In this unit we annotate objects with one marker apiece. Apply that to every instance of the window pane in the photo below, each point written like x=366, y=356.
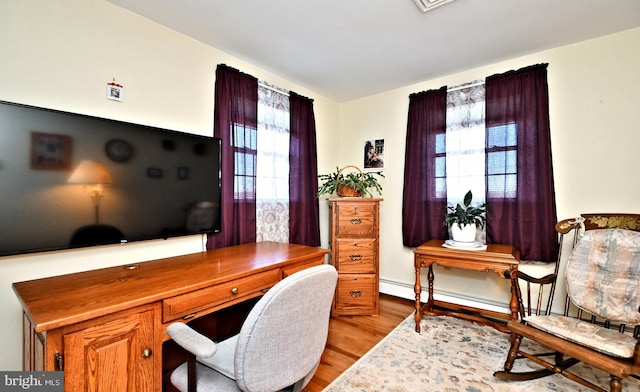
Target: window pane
x=465, y=164
x=441, y=190
x=273, y=145
x=502, y=136
x=502, y=186
x=273, y=165
x=465, y=144
x=272, y=208
x=502, y=162
x=440, y=143
x=440, y=167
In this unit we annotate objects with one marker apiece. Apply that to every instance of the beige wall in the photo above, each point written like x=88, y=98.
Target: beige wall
x=61, y=55
x=595, y=138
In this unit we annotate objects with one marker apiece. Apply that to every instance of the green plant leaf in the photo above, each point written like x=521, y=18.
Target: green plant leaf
x=466, y=215
x=364, y=183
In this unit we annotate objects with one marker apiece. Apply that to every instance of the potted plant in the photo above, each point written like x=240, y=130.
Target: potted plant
x=352, y=184
x=465, y=220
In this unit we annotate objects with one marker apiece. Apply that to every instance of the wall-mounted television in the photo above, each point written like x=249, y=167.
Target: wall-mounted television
x=163, y=183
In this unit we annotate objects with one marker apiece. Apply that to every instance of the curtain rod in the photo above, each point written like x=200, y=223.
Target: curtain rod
x=468, y=85
x=272, y=88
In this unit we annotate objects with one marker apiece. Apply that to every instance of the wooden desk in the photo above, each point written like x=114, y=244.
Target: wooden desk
x=105, y=328
x=501, y=259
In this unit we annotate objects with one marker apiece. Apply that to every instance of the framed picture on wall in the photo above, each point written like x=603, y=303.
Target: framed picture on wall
x=183, y=173
x=50, y=151
x=374, y=154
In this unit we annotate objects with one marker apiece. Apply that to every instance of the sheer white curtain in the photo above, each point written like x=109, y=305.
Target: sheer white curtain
x=465, y=144
x=272, y=189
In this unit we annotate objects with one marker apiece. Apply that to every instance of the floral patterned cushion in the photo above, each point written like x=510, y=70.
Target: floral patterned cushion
x=606, y=341
x=603, y=274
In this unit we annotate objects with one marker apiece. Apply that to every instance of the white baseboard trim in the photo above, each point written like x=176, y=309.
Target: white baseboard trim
x=403, y=290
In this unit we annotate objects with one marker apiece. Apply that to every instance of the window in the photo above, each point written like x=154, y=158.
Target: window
x=265, y=152
x=469, y=147
x=245, y=150
x=471, y=156
x=502, y=162
x=272, y=170
x=464, y=143
x=505, y=156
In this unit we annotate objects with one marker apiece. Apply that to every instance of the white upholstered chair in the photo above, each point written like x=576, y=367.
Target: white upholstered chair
x=279, y=345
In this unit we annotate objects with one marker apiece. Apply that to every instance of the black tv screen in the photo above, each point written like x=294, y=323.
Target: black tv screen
x=160, y=183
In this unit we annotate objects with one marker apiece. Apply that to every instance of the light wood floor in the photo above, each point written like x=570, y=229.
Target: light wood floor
x=350, y=337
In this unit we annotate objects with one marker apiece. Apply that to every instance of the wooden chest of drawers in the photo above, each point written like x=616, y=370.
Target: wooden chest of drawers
x=354, y=243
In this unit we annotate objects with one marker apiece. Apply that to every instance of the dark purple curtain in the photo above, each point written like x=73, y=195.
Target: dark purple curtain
x=304, y=213
x=527, y=221
x=423, y=208
x=236, y=123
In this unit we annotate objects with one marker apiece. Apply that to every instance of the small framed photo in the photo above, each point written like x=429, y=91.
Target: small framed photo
x=50, y=151
x=374, y=154
x=154, y=172
x=115, y=91
x=183, y=173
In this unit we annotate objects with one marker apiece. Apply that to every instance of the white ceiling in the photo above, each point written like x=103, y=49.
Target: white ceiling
x=347, y=49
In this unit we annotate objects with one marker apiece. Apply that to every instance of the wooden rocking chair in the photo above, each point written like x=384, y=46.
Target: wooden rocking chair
x=601, y=320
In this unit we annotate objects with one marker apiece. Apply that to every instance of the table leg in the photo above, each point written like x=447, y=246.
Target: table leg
x=430, y=300
x=417, y=289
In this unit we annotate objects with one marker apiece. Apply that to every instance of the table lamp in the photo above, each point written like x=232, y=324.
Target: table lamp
x=93, y=175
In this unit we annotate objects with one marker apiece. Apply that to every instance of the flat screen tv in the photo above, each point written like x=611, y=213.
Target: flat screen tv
x=160, y=183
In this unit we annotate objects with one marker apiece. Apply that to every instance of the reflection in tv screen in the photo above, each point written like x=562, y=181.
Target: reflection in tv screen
x=70, y=180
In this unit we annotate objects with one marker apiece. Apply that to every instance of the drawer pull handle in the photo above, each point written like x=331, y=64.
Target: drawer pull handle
x=355, y=257
x=188, y=316
x=147, y=353
x=355, y=221
x=58, y=362
x=234, y=290
x=355, y=293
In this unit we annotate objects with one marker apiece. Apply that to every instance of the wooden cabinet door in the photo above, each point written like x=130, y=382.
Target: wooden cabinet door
x=117, y=355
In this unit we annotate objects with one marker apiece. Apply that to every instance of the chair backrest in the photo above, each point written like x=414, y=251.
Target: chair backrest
x=591, y=222
x=612, y=221
x=603, y=274
x=284, y=335
x=538, y=294
x=586, y=222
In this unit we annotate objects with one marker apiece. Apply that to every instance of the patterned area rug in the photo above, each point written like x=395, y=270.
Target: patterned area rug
x=450, y=355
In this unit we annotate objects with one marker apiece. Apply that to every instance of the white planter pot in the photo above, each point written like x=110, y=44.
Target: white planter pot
x=466, y=234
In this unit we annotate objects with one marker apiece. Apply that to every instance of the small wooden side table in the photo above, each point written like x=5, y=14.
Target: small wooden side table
x=501, y=259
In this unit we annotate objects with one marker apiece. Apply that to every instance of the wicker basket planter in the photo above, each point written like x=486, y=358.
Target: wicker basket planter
x=346, y=191
x=349, y=191
x=350, y=181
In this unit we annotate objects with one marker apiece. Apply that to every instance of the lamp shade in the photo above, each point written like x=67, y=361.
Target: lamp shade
x=90, y=172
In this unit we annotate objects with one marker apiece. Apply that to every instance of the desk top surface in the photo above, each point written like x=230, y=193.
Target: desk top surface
x=60, y=300
x=494, y=252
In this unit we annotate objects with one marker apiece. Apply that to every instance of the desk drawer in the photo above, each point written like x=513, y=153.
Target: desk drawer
x=356, y=256
x=356, y=293
x=292, y=269
x=179, y=306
